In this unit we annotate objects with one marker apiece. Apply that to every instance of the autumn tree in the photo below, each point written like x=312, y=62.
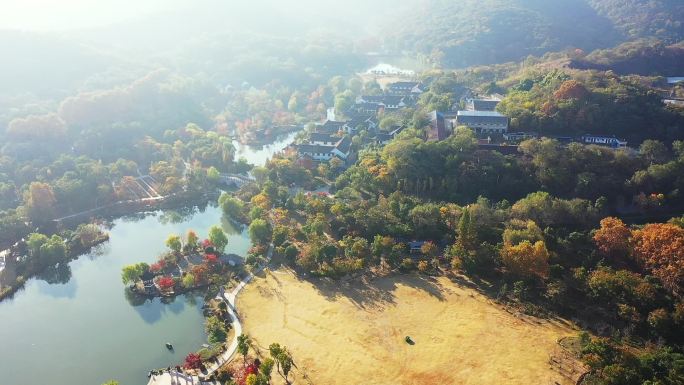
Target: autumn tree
x=40, y=202
x=660, y=247
x=193, y=361
x=612, y=238
x=173, y=242
x=526, y=259
x=571, y=89
x=132, y=273
x=423, y=266
x=429, y=249
x=191, y=240
x=188, y=281
x=166, y=283
x=87, y=234
x=518, y=230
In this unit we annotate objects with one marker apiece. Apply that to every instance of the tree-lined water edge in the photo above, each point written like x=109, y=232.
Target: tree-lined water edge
x=83, y=327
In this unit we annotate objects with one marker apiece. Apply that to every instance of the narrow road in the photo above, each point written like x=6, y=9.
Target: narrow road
x=230, y=298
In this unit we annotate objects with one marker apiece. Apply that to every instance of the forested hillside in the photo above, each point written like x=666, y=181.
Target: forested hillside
x=643, y=57
x=644, y=18
x=472, y=32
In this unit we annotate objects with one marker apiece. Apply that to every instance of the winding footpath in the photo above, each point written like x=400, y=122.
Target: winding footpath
x=174, y=378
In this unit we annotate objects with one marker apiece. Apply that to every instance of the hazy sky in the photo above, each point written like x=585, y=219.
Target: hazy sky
x=73, y=14
x=50, y=15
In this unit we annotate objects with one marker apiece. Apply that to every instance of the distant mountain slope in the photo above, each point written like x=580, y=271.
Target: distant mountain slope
x=663, y=19
x=472, y=32
x=47, y=65
x=643, y=57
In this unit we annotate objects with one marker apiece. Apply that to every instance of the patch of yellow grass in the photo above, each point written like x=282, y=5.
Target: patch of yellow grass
x=354, y=333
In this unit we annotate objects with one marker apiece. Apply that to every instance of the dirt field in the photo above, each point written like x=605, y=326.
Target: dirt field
x=354, y=333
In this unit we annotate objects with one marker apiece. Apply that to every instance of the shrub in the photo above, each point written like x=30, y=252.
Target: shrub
x=193, y=361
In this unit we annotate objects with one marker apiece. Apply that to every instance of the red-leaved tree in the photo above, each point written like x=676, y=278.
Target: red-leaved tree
x=211, y=259
x=207, y=244
x=193, y=361
x=166, y=283
x=157, y=267
x=199, y=272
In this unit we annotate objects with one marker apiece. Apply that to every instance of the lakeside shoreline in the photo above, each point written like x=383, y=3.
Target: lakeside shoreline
x=11, y=289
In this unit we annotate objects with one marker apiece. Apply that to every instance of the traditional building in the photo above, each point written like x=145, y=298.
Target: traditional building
x=368, y=108
x=483, y=104
x=608, y=141
x=361, y=122
x=382, y=138
x=438, y=127
x=322, y=153
x=388, y=102
x=330, y=127
x=519, y=136
x=483, y=122
x=323, y=139
x=404, y=88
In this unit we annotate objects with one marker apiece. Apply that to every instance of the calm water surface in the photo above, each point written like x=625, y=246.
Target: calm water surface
x=258, y=154
x=81, y=329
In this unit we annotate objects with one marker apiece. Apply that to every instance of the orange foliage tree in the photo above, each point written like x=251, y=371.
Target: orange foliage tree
x=612, y=238
x=571, y=89
x=660, y=248
x=526, y=259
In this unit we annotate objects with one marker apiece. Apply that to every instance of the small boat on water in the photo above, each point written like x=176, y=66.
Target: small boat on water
x=169, y=346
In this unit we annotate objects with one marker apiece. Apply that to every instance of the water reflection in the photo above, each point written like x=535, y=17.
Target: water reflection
x=177, y=216
x=259, y=154
x=99, y=250
x=230, y=227
x=137, y=217
x=58, y=274
x=57, y=282
x=152, y=310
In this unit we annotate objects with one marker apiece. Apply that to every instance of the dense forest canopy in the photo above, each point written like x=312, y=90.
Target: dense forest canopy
x=470, y=32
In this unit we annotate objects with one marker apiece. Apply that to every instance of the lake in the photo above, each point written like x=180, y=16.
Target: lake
x=81, y=329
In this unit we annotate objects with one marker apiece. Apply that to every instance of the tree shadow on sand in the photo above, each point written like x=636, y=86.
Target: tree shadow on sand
x=368, y=291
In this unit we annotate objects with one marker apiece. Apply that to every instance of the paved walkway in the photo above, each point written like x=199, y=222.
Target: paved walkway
x=174, y=378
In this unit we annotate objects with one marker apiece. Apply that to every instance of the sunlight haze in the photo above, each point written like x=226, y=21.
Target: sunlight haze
x=45, y=15
x=352, y=192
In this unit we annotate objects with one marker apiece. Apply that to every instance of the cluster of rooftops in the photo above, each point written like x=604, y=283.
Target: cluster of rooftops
x=480, y=115
x=331, y=139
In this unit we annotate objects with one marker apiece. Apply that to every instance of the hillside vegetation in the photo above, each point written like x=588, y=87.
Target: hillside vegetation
x=643, y=57
x=472, y=32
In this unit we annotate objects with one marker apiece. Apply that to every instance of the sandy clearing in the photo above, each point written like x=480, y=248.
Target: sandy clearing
x=354, y=334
